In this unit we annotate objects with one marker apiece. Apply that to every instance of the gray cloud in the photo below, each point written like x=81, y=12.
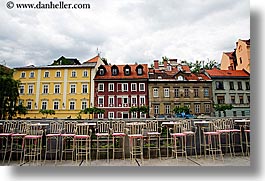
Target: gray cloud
x=124, y=31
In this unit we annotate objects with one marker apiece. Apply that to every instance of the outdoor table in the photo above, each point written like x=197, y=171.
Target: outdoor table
x=201, y=125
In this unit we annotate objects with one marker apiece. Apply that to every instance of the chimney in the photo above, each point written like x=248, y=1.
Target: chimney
x=156, y=65
x=165, y=64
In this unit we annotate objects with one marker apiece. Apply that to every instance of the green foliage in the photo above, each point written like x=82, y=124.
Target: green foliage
x=178, y=110
x=208, y=65
x=47, y=112
x=21, y=109
x=8, y=93
x=223, y=107
x=143, y=109
x=93, y=110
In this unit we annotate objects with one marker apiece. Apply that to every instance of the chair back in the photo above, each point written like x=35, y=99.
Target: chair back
x=21, y=127
x=9, y=126
x=56, y=127
x=212, y=126
x=118, y=126
x=34, y=129
x=152, y=126
x=137, y=128
x=83, y=129
x=187, y=125
x=69, y=127
x=178, y=127
x=103, y=127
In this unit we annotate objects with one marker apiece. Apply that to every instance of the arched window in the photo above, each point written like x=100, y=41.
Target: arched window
x=114, y=70
x=180, y=77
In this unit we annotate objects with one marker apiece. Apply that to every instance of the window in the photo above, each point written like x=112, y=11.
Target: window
x=179, y=68
x=127, y=71
x=125, y=100
x=196, y=92
x=233, y=100
x=231, y=84
x=29, y=105
x=101, y=101
x=31, y=75
x=111, y=101
x=84, y=89
x=155, y=92
x=142, y=100
x=167, y=109
x=142, y=115
x=133, y=88
x=197, y=108
x=101, y=87
x=72, y=88
x=110, y=115
x=247, y=86
x=72, y=105
x=58, y=74
x=46, y=74
x=241, y=99
x=114, y=71
x=169, y=68
x=44, y=105
x=219, y=85
x=180, y=78
x=248, y=99
x=220, y=99
x=30, y=89
x=124, y=87
x=243, y=113
x=187, y=105
x=207, y=108
x=21, y=89
x=234, y=113
x=141, y=87
x=73, y=73
x=206, y=92
x=134, y=101
x=140, y=71
x=85, y=74
x=45, y=89
x=55, y=105
x=84, y=105
x=100, y=116
x=239, y=84
x=176, y=92
x=134, y=114
x=166, y=92
x=186, y=92
x=156, y=110
x=111, y=87
x=23, y=74
x=57, y=89
x=101, y=72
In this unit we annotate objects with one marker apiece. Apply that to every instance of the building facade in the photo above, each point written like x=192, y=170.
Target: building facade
x=238, y=59
x=231, y=87
x=66, y=89
x=120, y=87
x=176, y=86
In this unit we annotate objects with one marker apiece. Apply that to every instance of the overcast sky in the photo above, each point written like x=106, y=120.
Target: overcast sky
x=124, y=31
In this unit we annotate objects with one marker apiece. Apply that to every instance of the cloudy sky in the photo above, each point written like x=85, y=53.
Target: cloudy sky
x=124, y=31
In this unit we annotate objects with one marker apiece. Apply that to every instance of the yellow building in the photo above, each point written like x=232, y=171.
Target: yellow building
x=67, y=89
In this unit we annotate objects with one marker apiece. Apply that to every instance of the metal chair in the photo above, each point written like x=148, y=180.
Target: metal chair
x=237, y=137
x=247, y=131
x=8, y=128
x=136, y=139
x=83, y=142
x=212, y=141
x=67, y=138
x=17, y=139
x=118, y=137
x=190, y=133
x=52, y=140
x=103, y=134
x=178, y=139
x=153, y=136
x=32, y=145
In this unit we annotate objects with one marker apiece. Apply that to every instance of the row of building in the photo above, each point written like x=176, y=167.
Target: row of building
x=67, y=86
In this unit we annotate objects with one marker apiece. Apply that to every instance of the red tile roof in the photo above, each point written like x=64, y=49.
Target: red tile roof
x=108, y=75
x=93, y=60
x=227, y=73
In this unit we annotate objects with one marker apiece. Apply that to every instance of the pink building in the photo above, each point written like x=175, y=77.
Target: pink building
x=120, y=87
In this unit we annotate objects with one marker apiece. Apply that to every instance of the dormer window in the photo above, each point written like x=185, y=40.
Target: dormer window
x=139, y=70
x=179, y=68
x=127, y=70
x=114, y=70
x=101, y=71
x=180, y=77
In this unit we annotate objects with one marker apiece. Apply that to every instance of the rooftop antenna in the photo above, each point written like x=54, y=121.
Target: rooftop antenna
x=98, y=52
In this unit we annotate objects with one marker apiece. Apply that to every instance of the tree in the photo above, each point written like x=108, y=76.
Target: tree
x=222, y=108
x=47, y=112
x=21, y=109
x=180, y=109
x=8, y=93
x=198, y=65
x=92, y=110
x=141, y=109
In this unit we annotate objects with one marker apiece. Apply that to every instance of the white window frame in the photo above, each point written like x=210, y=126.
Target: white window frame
x=99, y=86
x=83, y=104
x=207, y=108
x=58, y=74
x=72, y=87
x=132, y=103
x=142, y=115
x=46, y=74
x=71, y=103
x=140, y=100
x=44, y=105
x=73, y=73
x=167, y=109
x=57, y=87
x=142, y=84
x=176, y=92
x=111, y=87
x=101, y=97
x=134, y=115
x=135, y=87
x=30, y=89
x=23, y=75
x=111, y=103
x=156, y=109
x=58, y=105
x=45, y=89
x=31, y=74
x=29, y=105
x=100, y=116
x=166, y=92
x=125, y=85
x=155, y=92
x=84, y=87
x=85, y=73
x=110, y=115
x=197, y=108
